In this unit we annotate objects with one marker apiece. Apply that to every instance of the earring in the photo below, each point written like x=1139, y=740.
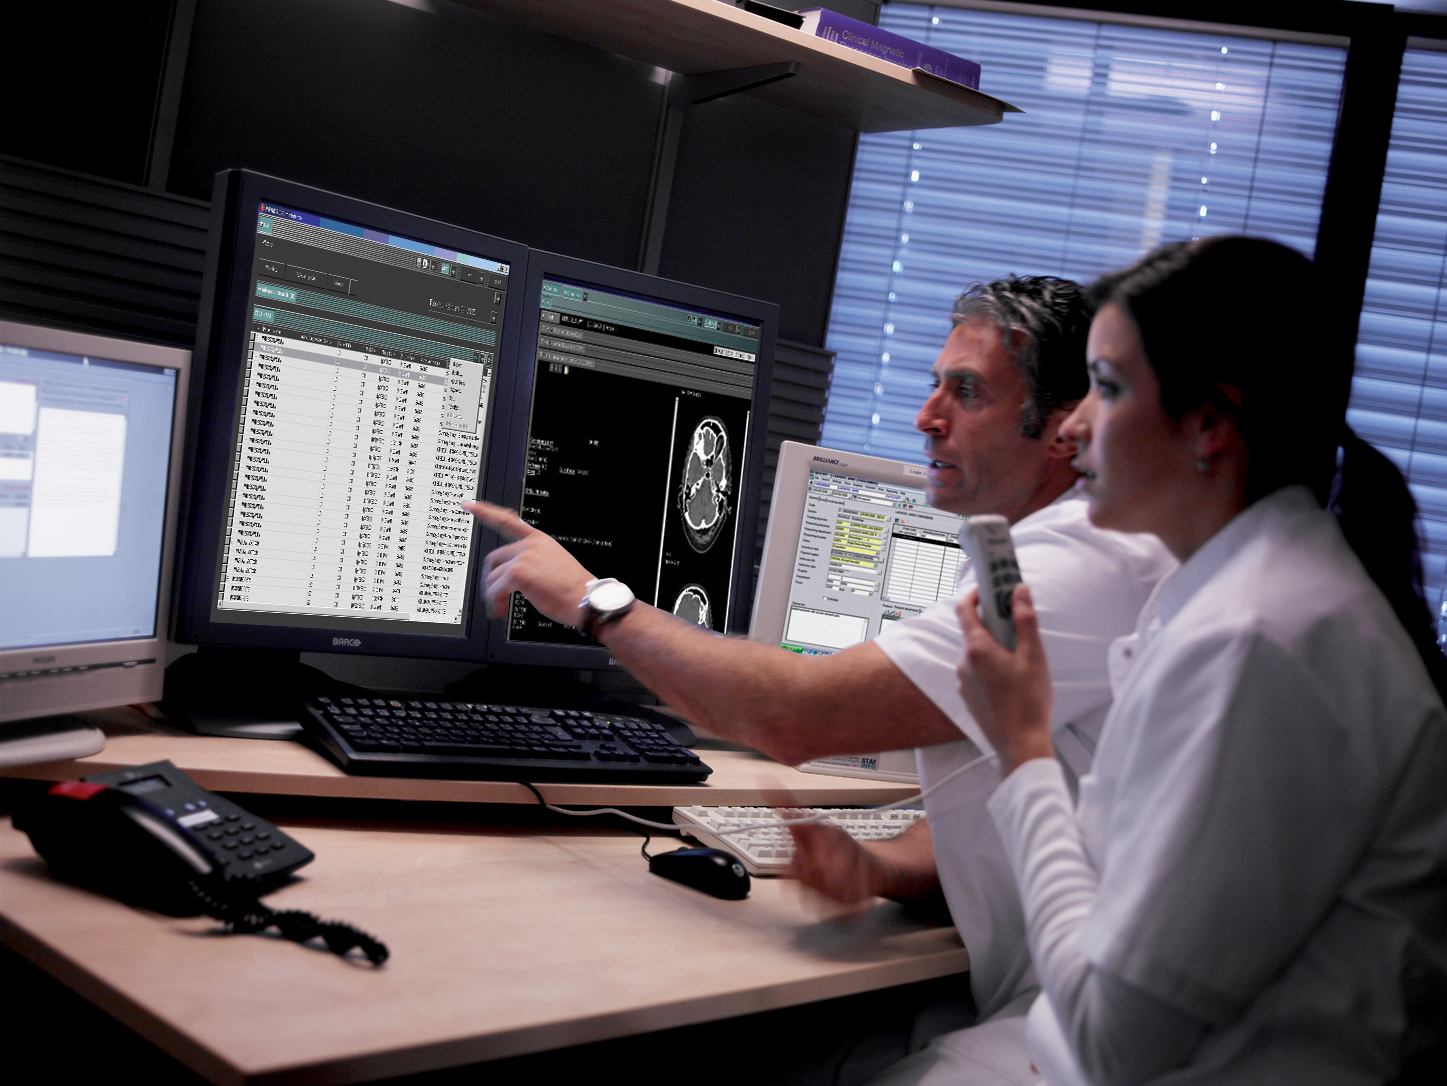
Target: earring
x=1202, y=464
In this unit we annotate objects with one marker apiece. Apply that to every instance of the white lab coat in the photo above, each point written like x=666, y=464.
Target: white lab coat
x=1088, y=585
x=1267, y=815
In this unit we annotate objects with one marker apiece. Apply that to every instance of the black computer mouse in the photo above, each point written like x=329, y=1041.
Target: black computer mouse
x=711, y=870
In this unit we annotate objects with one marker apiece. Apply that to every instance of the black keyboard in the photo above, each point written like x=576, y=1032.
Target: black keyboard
x=462, y=741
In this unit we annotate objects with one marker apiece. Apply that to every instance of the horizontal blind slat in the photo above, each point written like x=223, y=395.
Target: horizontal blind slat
x=1399, y=390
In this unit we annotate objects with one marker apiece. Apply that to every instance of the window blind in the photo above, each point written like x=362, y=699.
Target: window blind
x=1131, y=136
x=1399, y=387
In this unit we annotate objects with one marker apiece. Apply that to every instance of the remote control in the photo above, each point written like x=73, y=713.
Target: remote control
x=986, y=540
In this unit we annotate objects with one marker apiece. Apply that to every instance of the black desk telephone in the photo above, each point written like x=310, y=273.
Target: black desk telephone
x=152, y=837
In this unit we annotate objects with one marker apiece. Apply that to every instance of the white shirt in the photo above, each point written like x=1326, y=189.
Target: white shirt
x=1266, y=815
x=1088, y=586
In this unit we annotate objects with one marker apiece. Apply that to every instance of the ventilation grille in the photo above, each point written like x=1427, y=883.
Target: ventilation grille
x=802, y=375
x=93, y=255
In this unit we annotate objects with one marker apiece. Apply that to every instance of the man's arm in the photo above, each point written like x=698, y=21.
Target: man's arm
x=849, y=871
x=779, y=702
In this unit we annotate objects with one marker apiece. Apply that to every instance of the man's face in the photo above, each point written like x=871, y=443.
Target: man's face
x=979, y=460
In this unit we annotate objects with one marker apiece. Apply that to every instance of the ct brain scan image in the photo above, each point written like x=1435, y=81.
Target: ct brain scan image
x=703, y=500
x=692, y=605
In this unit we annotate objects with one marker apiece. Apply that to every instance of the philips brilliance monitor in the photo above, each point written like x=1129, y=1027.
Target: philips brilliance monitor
x=90, y=440
x=851, y=545
x=354, y=356
x=639, y=444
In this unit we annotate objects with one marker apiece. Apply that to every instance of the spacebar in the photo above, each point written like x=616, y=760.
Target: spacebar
x=465, y=751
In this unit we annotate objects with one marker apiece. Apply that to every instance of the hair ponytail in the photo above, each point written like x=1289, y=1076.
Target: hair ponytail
x=1378, y=516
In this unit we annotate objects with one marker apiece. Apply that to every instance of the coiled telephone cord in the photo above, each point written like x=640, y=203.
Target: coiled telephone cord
x=251, y=917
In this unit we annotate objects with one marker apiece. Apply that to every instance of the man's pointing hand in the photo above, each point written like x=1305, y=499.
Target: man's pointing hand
x=533, y=563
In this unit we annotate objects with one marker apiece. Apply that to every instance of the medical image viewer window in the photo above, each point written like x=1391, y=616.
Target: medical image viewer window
x=368, y=378
x=636, y=448
x=868, y=553
x=85, y=451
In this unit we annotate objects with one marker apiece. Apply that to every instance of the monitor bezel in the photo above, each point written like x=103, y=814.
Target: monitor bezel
x=542, y=265
x=219, y=340
x=147, y=652
x=786, y=521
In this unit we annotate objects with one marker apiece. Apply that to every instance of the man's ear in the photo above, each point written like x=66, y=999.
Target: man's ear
x=1057, y=445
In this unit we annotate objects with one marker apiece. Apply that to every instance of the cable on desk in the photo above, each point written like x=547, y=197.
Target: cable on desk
x=746, y=827
x=647, y=837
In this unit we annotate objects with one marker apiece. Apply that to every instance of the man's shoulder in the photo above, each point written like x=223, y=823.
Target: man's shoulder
x=1064, y=527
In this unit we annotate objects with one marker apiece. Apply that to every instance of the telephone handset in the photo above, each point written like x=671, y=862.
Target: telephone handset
x=152, y=837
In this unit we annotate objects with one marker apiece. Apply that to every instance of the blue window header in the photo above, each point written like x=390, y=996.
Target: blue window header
x=277, y=211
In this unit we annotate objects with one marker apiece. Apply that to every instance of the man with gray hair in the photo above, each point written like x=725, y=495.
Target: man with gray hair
x=1009, y=373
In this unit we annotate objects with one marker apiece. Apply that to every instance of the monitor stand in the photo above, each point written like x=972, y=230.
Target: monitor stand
x=552, y=688
x=244, y=693
x=48, y=739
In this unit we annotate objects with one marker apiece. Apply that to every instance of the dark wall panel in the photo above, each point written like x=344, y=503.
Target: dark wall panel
x=758, y=208
x=81, y=81
x=449, y=113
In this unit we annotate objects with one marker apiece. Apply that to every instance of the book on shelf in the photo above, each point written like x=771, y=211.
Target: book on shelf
x=895, y=48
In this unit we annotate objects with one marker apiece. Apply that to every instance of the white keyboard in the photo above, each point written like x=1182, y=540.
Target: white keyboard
x=767, y=849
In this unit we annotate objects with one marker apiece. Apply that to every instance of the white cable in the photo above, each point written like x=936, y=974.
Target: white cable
x=773, y=825
x=613, y=810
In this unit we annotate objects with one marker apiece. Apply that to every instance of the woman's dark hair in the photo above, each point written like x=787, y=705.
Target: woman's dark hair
x=1045, y=321
x=1244, y=313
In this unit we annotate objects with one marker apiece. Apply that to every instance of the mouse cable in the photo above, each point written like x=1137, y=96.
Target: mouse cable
x=748, y=826
x=647, y=837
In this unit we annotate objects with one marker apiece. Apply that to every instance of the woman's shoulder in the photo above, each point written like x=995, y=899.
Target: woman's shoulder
x=1297, y=591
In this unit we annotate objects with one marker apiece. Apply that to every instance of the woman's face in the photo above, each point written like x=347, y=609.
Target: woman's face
x=1133, y=455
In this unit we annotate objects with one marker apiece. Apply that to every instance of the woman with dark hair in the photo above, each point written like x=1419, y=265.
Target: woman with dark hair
x=1251, y=889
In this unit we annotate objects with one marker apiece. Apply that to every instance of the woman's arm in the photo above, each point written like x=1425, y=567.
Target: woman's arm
x=1116, y=1032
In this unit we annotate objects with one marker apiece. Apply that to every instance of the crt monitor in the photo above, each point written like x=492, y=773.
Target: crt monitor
x=91, y=431
x=638, y=442
x=851, y=545
x=355, y=356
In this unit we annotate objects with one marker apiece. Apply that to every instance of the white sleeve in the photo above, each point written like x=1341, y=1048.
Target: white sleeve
x=1116, y=1032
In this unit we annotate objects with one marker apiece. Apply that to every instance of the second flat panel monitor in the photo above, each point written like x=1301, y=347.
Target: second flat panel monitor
x=644, y=442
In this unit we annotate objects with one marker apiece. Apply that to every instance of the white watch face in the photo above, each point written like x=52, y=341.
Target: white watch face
x=609, y=596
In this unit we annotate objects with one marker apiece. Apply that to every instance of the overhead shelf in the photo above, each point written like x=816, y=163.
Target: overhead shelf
x=693, y=37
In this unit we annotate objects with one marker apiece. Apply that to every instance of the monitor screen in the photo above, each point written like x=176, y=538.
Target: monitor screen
x=867, y=553
x=365, y=387
x=637, y=447
x=85, y=457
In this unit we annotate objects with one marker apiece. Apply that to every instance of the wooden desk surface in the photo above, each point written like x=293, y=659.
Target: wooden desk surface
x=284, y=768
x=504, y=941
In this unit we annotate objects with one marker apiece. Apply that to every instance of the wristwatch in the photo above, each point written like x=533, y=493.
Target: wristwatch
x=603, y=600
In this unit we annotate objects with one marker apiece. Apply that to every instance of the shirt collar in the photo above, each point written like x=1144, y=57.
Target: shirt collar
x=1177, y=589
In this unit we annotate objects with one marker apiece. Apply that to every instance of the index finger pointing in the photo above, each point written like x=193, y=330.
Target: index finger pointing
x=504, y=521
